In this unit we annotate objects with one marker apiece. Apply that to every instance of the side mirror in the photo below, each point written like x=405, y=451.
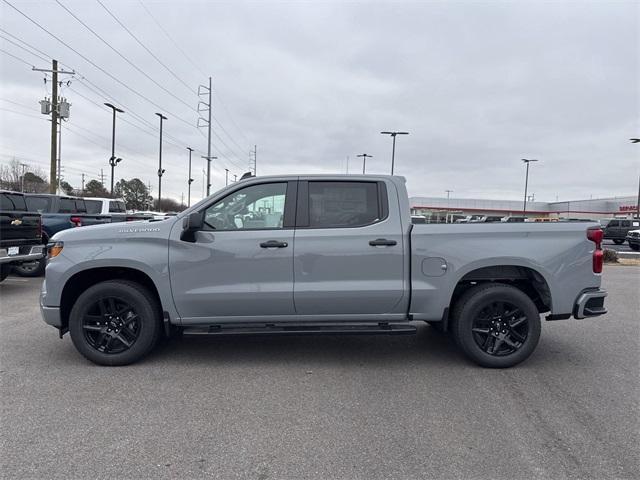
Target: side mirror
x=190, y=225
x=193, y=222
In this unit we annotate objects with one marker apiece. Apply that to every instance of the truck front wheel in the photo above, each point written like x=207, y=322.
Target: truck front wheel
x=116, y=322
x=496, y=325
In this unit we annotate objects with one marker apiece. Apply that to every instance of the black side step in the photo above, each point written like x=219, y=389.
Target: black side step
x=353, y=328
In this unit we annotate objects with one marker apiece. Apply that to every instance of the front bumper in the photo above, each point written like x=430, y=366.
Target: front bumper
x=34, y=253
x=590, y=303
x=50, y=315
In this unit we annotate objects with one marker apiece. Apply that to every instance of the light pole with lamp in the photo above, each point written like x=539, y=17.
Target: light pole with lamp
x=160, y=169
x=393, y=149
x=526, y=184
x=113, y=161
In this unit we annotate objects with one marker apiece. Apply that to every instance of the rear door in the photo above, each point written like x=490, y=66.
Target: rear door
x=348, y=249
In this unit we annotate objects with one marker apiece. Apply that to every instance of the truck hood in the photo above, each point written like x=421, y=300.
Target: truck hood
x=117, y=231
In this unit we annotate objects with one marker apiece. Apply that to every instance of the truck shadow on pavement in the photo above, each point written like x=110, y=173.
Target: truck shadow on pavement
x=427, y=346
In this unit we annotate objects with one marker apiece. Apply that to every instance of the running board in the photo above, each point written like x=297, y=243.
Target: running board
x=351, y=328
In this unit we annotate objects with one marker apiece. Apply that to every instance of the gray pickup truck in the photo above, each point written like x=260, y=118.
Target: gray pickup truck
x=318, y=254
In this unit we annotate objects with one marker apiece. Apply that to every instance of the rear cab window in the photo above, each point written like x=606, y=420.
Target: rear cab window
x=12, y=202
x=117, y=206
x=343, y=204
x=93, y=206
x=72, y=205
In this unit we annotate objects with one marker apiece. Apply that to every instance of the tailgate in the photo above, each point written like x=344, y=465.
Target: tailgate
x=19, y=228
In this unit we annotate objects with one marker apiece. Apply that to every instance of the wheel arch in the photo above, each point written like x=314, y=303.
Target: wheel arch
x=81, y=281
x=525, y=278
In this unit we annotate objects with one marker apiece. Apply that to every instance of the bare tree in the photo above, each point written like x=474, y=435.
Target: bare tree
x=11, y=177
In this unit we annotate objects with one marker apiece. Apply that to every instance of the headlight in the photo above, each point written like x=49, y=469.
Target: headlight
x=54, y=249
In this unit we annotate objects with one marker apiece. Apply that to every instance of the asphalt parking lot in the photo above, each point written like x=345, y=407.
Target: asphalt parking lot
x=324, y=407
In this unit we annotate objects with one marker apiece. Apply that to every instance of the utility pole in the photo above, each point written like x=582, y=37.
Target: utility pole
x=207, y=106
x=448, y=193
x=235, y=178
x=160, y=170
x=226, y=177
x=347, y=164
x=364, y=161
x=24, y=167
x=113, y=161
x=82, y=183
x=52, y=108
x=526, y=184
x=190, y=181
x=393, y=150
x=208, y=159
x=182, y=199
x=254, y=165
x=102, y=177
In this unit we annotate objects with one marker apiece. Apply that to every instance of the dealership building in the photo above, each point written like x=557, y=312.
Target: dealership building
x=436, y=209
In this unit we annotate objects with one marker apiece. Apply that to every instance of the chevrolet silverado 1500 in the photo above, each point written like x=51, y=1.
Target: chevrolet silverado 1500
x=318, y=254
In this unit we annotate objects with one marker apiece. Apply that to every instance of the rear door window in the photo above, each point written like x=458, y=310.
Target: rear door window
x=68, y=205
x=343, y=204
x=38, y=204
x=612, y=223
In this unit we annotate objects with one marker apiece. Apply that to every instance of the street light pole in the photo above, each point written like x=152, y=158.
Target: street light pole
x=190, y=181
x=637, y=140
x=160, y=170
x=393, y=149
x=226, y=177
x=526, y=184
x=113, y=161
x=364, y=161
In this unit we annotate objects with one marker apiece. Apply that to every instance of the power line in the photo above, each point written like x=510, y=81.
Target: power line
x=23, y=48
x=145, y=47
x=17, y=58
x=175, y=44
x=122, y=56
x=44, y=55
x=91, y=62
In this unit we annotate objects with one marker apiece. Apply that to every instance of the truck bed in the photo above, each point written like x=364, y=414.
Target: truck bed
x=444, y=254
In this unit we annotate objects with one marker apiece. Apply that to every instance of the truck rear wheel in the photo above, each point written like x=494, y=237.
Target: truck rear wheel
x=116, y=322
x=496, y=325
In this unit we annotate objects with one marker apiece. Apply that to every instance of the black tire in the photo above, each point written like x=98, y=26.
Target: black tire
x=4, y=271
x=634, y=246
x=494, y=307
x=617, y=241
x=108, y=316
x=31, y=269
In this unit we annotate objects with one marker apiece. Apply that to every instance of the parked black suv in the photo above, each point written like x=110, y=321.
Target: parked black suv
x=618, y=228
x=20, y=233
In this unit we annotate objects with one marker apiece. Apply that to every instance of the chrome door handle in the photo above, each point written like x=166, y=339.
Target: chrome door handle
x=382, y=242
x=274, y=244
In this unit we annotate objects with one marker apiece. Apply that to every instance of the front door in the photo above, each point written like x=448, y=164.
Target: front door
x=241, y=263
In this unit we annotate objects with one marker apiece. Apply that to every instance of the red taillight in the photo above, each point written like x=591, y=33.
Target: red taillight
x=77, y=221
x=596, y=235
x=598, y=258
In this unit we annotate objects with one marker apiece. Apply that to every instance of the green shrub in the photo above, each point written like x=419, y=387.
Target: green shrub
x=610, y=256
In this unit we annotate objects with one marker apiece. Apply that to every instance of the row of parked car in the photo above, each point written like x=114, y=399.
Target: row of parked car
x=29, y=220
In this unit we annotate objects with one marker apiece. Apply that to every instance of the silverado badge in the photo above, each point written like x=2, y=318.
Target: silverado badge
x=17, y=221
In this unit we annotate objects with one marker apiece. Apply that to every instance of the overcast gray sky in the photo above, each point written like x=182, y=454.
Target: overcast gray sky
x=479, y=85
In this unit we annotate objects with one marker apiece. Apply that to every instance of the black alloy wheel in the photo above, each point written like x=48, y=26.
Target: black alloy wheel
x=495, y=324
x=500, y=328
x=111, y=325
x=115, y=322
